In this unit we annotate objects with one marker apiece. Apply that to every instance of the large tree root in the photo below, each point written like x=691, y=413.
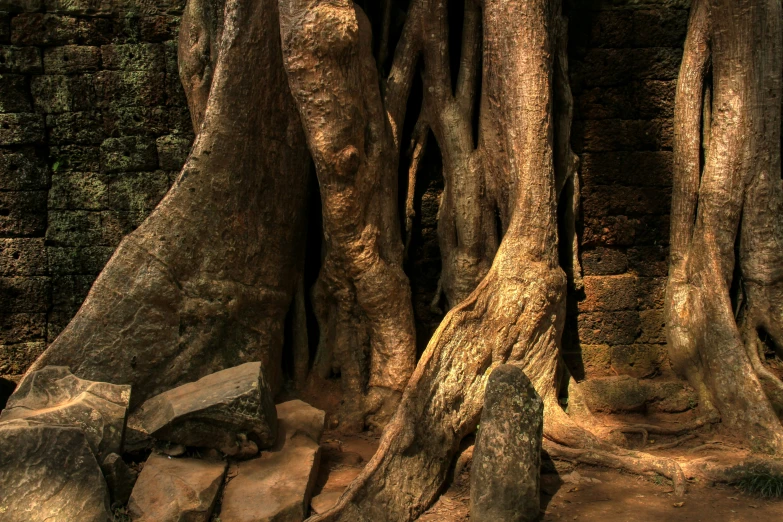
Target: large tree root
x=732, y=120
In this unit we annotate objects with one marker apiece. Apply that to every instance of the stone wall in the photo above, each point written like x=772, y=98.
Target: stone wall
x=93, y=128
x=624, y=59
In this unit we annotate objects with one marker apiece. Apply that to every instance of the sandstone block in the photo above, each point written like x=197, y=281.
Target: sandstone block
x=23, y=257
x=608, y=293
x=653, y=327
x=618, y=200
x=622, y=135
x=58, y=93
x=23, y=169
x=74, y=228
x=628, y=394
x=284, y=477
x=72, y=59
x=16, y=358
x=54, y=396
x=137, y=121
x=176, y=490
x=604, y=261
x=129, y=88
x=213, y=411
x=49, y=473
x=23, y=294
x=22, y=327
x=159, y=28
x=20, y=60
x=131, y=153
x=13, y=94
x=621, y=327
x=83, y=128
x=22, y=213
x=505, y=473
x=133, y=57
x=76, y=158
x=634, y=168
x=21, y=128
x=638, y=360
x=77, y=260
x=78, y=191
x=651, y=261
x=42, y=29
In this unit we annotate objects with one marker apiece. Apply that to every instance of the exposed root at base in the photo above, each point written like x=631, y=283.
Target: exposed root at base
x=632, y=461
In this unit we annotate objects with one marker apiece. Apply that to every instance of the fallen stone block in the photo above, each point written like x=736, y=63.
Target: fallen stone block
x=49, y=473
x=176, y=490
x=119, y=478
x=54, y=396
x=213, y=412
x=280, y=481
x=505, y=473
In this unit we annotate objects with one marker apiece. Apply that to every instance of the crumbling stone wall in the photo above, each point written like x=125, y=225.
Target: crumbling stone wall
x=93, y=128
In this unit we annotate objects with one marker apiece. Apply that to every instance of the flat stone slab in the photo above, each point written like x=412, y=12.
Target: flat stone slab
x=49, y=473
x=213, y=411
x=54, y=396
x=176, y=490
x=280, y=481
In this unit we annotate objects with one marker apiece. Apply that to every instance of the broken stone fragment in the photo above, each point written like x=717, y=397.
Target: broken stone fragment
x=505, y=472
x=281, y=480
x=49, y=473
x=176, y=490
x=119, y=478
x=213, y=411
x=54, y=396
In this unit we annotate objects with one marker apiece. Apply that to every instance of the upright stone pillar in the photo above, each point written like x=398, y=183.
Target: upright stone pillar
x=504, y=477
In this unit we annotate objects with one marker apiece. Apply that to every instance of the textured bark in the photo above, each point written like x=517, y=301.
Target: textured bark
x=516, y=313
x=205, y=282
x=726, y=214
x=367, y=310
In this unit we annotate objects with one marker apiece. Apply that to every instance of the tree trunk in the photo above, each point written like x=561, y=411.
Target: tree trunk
x=333, y=76
x=205, y=282
x=726, y=214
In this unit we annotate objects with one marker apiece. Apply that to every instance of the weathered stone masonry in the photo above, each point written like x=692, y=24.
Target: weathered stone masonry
x=625, y=59
x=93, y=128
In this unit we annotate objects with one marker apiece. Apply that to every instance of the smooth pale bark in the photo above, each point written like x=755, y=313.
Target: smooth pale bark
x=205, y=282
x=736, y=190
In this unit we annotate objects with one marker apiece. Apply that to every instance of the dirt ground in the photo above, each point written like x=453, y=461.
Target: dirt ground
x=583, y=493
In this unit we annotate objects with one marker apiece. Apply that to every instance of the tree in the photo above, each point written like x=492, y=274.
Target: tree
x=723, y=300
x=208, y=279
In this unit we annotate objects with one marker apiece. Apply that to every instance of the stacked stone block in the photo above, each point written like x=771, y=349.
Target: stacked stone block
x=94, y=128
x=624, y=59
